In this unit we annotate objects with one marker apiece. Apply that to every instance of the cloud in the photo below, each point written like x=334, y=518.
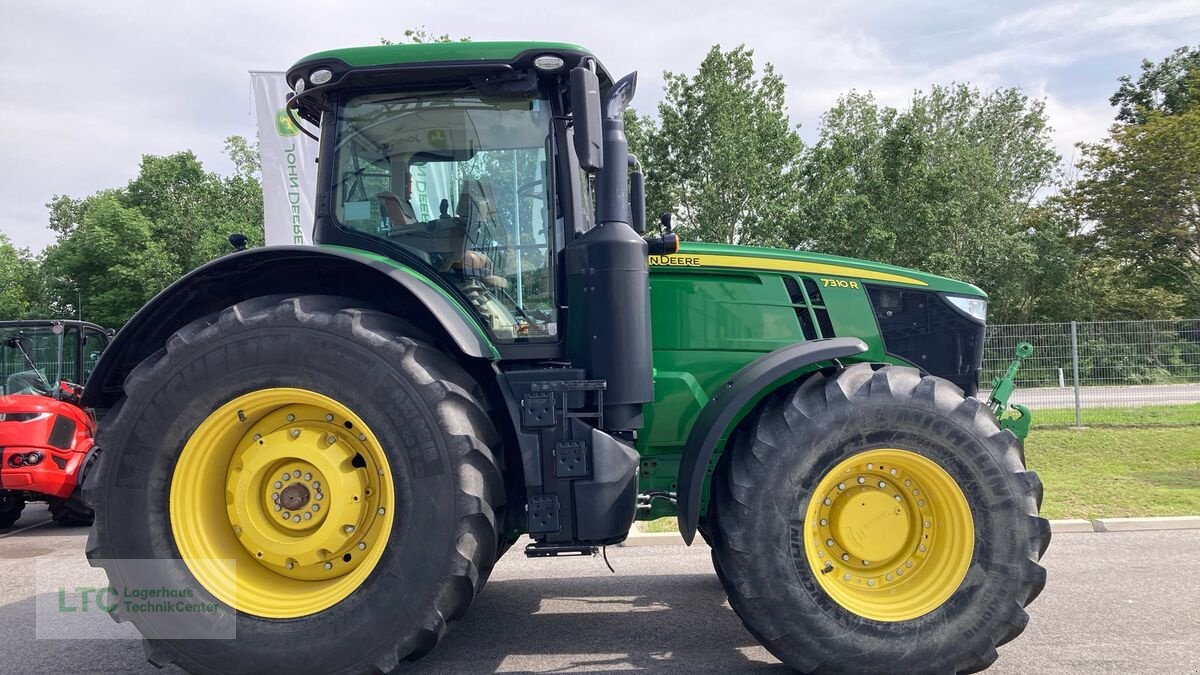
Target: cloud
x=90, y=87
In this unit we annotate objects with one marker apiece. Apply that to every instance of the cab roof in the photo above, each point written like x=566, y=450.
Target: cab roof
x=445, y=53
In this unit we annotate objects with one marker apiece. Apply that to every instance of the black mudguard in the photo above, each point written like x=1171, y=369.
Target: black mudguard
x=280, y=270
x=768, y=371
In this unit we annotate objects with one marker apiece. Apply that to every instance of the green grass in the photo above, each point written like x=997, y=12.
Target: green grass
x=1117, y=472
x=1114, y=471
x=1151, y=415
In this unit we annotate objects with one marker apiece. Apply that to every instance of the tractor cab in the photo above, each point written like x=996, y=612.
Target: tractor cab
x=474, y=170
x=36, y=355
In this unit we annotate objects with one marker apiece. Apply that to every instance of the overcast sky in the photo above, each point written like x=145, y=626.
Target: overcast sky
x=89, y=87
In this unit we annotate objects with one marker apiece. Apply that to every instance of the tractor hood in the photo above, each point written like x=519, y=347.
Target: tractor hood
x=693, y=254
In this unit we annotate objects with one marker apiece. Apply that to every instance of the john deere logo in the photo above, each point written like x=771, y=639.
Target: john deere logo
x=284, y=125
x=437, y=139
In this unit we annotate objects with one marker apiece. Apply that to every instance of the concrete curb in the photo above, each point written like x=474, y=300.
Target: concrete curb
x=1071, y=525
x=1142, y=524
x=1067, y=526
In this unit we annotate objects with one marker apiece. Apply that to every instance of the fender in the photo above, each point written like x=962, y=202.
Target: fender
x=726, y=407
x=382, y=282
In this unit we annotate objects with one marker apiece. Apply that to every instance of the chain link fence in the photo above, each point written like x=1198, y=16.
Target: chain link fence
x=1102, y=372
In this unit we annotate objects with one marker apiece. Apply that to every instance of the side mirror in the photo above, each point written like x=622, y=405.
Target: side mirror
x=585, y=114
x=637, y=198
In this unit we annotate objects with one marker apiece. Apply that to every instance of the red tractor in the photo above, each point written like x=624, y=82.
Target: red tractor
x=46, y=442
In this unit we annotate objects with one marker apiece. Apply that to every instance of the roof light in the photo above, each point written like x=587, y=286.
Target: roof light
x=548, y=62
x=320, y=76
x=299, y=85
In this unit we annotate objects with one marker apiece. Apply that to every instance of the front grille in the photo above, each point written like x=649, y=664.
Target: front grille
x=923, y=329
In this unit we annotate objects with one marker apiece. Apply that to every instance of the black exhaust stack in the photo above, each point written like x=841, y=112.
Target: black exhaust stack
x=608, y=282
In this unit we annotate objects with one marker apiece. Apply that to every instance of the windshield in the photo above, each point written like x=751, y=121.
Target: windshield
x=459, y=181
x=41, y=346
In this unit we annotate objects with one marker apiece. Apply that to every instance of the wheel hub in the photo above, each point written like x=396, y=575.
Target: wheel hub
x=890, y=534
x=303, y=490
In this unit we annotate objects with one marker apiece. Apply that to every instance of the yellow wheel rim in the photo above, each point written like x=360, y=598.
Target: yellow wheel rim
x=890, y=535
x=295, y=490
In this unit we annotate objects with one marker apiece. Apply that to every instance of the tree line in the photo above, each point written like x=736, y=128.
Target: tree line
x=959, y=181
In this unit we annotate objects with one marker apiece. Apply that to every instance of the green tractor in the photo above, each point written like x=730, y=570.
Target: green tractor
x=329, y=447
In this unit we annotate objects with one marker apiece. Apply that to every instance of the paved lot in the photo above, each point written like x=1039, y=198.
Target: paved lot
x=1105, y=397
x=1114, y=603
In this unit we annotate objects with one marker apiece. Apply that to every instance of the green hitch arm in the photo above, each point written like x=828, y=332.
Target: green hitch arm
x=1015, y=418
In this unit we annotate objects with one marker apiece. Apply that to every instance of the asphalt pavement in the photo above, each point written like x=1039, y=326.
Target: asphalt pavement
x=1121, y=602
x=1105, y=397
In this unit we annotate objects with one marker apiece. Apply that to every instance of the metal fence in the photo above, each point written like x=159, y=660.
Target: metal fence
x=1100, y=372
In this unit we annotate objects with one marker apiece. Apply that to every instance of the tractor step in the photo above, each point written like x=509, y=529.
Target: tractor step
x=555, y=550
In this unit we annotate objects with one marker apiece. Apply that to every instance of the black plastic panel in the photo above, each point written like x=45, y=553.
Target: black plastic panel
x=923, y=329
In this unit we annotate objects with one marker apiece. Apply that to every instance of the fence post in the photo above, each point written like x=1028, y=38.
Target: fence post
x=1075, y=371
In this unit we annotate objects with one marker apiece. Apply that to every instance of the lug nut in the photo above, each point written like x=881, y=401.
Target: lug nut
x=846, y=556
x=308, y=515
x=870, y=467
x=296, y=473
x=870, y=582
x=349, y=529
x=362, y=545
x=827, y=502
x=829, y=542
x=362, y=437
x=290, y=564
x=824, y=523
x=320, y=495
x=866, y=562
x=316, y=507
x=278, y=507
x=861, y=480
x=381, y=510
x=286, y=475
x=316, y=485
x=882, y=485
x=291, y=418
x=328, y=417
x=308, y=476
x=841, y=486
x=278, y=485
x=294, y=433
x=328, y=565
x=331, y=439
x=258, y=437
x=275, y=496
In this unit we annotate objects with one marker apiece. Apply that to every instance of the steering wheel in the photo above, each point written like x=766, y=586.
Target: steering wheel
x=526, y=190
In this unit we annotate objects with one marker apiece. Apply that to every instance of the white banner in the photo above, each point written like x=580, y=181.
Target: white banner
x=289, y=169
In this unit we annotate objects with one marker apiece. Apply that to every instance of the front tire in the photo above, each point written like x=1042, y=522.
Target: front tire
x=384, y=431
x=71, y=511
x=12, y=503
x=873, y=519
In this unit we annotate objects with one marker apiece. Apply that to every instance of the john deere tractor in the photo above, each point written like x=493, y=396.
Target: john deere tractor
x=331, y=446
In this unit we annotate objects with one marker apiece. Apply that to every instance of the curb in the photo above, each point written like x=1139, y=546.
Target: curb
x=1142, y=524
x=1067, y=526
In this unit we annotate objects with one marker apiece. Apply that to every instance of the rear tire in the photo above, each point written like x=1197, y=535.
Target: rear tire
x=446, y=492
x=776, y=561
x=71, y=511
x=11, y=505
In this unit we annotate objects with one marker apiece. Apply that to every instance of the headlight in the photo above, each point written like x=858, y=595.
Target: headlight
x=976, y=308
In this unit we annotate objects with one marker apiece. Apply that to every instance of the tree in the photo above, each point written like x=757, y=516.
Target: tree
x=18, y=274
x=118, y=247
x=724, y=153
x=1141, y=192
x=421, y=36
x=943, y=186
x=111, y=259
x=1168, y=87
